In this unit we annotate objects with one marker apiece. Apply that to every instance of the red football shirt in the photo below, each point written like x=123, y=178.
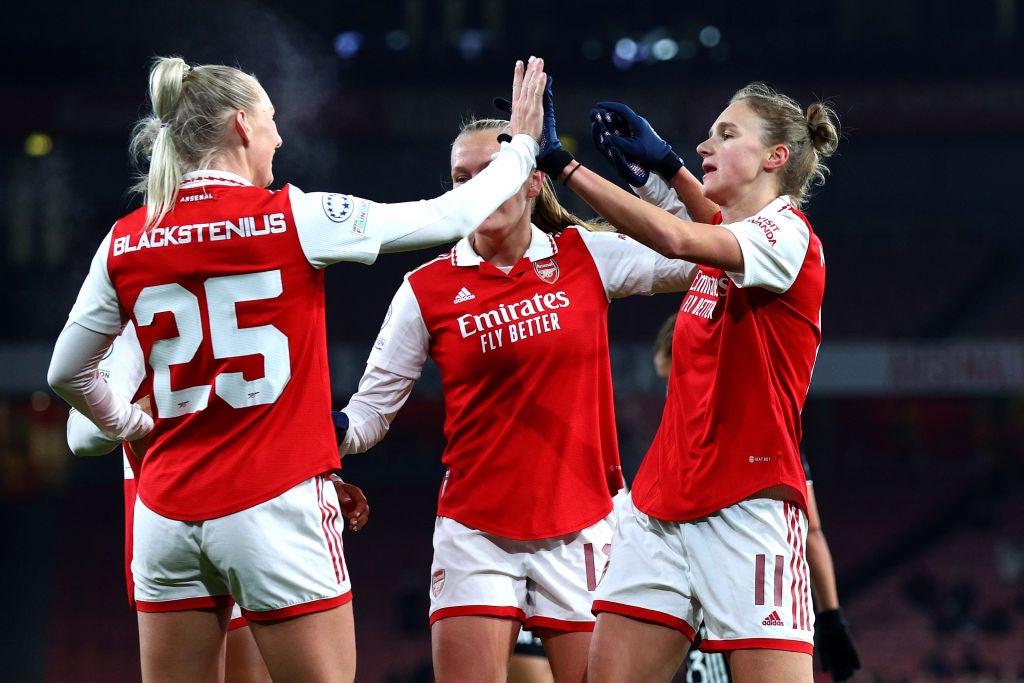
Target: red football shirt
x=532, y=448
x=742, y=355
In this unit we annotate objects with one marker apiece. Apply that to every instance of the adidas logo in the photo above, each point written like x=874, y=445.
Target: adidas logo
x=772, y=619
x=463, y=295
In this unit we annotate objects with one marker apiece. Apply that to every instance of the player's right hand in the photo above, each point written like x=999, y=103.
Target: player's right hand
x=631, y=143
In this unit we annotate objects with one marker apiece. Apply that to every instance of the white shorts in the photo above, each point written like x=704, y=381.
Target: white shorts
x=545, y=583
x=743, y=570
x=278, y=559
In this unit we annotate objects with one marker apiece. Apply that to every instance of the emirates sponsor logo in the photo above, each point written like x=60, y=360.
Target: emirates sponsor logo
x=437, y=582
x=773, y=619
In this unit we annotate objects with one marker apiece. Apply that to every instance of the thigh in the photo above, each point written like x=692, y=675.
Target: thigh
x=771, y=666
x=472, y=649
x=319, y=647
x=567, y=653
x=285, y=556
x=751, y=575
x=627, y=650
x=476, y=573
x=183, y=646
x=243, y=662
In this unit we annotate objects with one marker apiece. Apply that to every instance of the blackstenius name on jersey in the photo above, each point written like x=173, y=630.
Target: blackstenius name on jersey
x=247, y=226
x=514, y=321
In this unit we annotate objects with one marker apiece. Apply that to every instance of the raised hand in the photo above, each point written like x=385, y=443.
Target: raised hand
x=631, y=144
x=527, y=108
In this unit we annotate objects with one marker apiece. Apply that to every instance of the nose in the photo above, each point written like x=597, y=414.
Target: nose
x=703, y=149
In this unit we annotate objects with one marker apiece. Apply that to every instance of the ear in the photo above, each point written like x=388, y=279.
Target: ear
x=242, y=128
x=778, y=155
x=534, y=184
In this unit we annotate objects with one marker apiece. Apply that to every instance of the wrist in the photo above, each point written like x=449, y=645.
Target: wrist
x=555, y=162
x=340, y=421
x=668, y=166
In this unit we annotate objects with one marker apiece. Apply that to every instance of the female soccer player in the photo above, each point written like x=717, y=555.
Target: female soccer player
x=716, y=524
x=123, y=368
x=223, y=282
x=515, y=316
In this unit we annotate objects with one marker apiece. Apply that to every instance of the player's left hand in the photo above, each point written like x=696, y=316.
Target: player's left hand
x=353, y=504
x=835, y=645
x=642, y=144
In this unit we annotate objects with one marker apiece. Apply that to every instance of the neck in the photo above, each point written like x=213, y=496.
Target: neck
x=504, y=249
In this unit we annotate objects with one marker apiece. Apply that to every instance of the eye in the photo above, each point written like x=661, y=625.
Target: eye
x=460, y=179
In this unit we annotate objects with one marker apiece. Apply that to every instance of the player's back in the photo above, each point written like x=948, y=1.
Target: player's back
x=230, y=317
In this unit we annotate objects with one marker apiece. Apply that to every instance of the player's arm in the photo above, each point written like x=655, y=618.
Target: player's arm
x=370, y=411
x=353, y=502
x=835, y=644
x=74, y=377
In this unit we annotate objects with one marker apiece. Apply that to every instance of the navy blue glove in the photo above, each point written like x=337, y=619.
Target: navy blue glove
x=604, y=124
x=340, y=421
x=636, y=143
x=552, y=157
x=835, y=645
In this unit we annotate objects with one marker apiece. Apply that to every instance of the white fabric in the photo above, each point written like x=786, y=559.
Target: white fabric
x=74, y=375
x=362, y=228
x=663, y=195
x=299, y=528
x=381, y=395
x=774, y=244
x=544, y=581
x=123, y=369
x=707, y=569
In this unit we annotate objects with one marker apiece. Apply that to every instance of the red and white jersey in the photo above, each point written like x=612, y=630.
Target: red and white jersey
x=226, y=295
x=529, y=419
x=742, y=355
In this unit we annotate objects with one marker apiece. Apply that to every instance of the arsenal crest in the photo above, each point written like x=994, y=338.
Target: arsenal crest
x=547, y=270
x=437, y=582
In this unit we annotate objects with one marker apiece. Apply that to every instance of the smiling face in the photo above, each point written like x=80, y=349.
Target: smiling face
x=736, y=162
x=471, y=154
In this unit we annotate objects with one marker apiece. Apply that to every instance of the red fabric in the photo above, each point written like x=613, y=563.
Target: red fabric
x=731, y=425
x=532, y=448
x=224, y=458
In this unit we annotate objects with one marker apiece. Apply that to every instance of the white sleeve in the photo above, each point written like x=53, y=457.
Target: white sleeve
x=335, y=227
x=774, y=244
x=396, y=362
x=74, y=375
x=658, y=192
x=123, y=368
x=371, y=409
x=97, y=307
x=628, y=267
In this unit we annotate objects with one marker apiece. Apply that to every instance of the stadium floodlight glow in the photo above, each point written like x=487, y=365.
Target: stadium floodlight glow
x=397, y=40
x=710, y=36
x=664, y=49
x=38, y=144
x=471, y=43
x=348, y=43
x=626, y=49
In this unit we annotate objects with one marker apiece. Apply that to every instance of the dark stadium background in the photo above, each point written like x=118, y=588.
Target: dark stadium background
x=915, y=420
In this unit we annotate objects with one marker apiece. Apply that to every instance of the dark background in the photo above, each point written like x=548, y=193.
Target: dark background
x=919, y=490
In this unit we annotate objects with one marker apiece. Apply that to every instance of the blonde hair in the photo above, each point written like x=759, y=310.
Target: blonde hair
x=810, y=137
x=547, y=212
x=193, y=107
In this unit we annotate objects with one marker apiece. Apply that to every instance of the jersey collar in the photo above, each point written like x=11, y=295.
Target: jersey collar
x=210, y=176
x=542, y=246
